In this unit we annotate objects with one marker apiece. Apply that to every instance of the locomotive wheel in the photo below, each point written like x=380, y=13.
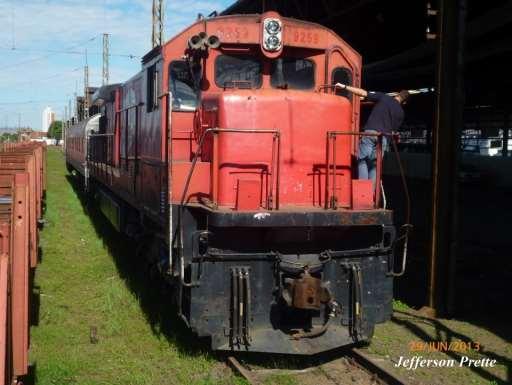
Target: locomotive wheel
x=151, y=249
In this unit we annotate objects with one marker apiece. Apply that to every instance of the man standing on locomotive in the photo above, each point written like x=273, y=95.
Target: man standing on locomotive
x=386, y=117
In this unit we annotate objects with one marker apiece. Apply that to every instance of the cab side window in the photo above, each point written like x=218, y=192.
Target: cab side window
x=344, y=76
x=184, y=79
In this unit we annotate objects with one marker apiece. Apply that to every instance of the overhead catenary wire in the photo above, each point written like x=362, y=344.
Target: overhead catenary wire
x=16, y=65
x=50, y=77
x=69, y=51
x=30, y=102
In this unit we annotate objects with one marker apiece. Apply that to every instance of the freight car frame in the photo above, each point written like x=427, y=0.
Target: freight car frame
x=22, y=191
x=232, y=152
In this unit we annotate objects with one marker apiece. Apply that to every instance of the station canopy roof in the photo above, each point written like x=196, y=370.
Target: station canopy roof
x=391, y=37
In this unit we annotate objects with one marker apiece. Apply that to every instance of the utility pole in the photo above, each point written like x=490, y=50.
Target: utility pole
x=64, y=128
x=86, y=88
x=157, y=37
x=445, y=157
x=106, y=55
x=70, y=112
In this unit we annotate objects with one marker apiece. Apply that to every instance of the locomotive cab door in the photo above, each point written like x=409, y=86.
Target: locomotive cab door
x=151, y=166
x=184, y=86
x=339, y=68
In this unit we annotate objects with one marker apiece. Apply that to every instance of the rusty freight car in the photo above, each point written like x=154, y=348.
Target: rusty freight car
x=231, y=153
x=22, y=189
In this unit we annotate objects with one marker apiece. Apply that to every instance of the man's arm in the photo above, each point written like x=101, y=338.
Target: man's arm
x=354, y=90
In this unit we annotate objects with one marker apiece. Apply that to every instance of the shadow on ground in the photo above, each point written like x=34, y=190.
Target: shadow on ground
x=155, y=300
x=443, y=333
x=153, y=294
x=484, y=268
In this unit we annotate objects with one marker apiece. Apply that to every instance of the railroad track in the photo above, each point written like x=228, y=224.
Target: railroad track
x=355, y=368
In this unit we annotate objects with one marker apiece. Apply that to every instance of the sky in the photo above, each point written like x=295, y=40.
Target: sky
x=43, y=44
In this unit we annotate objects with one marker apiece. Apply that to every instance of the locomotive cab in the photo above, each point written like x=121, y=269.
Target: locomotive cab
x=296, y=246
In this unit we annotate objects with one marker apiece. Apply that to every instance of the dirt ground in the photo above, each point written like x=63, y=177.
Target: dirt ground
x=410, y=334
x=405, y=336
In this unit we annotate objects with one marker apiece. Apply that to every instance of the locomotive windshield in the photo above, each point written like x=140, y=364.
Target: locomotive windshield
x=293, y=73
x=238, y=72
x=184, y=84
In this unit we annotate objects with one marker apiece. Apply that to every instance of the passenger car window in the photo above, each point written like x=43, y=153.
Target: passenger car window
x=184, y=79
x=293, y=73
x=238, y=72
x=344, y=76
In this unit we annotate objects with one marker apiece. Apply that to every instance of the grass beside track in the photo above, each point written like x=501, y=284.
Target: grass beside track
x=99, y=319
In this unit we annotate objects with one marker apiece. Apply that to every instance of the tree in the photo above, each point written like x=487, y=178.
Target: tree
x=8, y=137
x=55, y=130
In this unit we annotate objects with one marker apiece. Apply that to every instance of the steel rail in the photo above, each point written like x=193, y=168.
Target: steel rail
x=372, y=366
x=359, y=360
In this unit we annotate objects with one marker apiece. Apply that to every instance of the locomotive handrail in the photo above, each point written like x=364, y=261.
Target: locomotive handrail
x=332, y=201
x=178, y=234
x=275, y=159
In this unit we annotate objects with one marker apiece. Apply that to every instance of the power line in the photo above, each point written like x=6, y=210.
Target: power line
x=45, y=56
x=57, y=75
x=68, y=52
x=31, y=102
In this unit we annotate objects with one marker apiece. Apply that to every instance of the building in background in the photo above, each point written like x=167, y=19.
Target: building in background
x=48, y=119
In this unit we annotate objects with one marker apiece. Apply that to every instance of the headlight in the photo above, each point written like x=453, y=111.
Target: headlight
x=272, y=34
x=273, y=27
x=272, y=43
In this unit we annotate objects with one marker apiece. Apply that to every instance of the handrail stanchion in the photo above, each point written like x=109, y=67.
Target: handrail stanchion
x=334, y=200
x=270, y=186
x=215, y=169
x=278, y=168
x=378, y=171
x=327, y=170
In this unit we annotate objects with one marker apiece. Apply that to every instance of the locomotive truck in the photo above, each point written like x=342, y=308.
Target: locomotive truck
x=233, y=153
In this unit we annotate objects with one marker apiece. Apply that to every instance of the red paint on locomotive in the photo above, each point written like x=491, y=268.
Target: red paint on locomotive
x=302, y=117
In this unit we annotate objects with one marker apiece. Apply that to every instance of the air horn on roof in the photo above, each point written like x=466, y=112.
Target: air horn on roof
x=202, y=41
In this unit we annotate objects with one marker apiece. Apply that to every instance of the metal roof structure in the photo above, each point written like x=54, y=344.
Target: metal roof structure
x=392, y=38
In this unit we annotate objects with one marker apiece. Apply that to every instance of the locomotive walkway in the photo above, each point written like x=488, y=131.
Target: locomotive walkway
x=99, y=321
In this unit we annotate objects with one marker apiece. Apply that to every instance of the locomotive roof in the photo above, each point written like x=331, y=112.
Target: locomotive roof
x=256, y=18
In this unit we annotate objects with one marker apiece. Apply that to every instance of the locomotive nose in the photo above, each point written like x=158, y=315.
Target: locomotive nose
x=294, y=159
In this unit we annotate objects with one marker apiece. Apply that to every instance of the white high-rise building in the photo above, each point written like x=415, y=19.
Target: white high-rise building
x=48, y=118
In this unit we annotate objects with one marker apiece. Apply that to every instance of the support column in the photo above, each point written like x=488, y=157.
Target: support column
x=506, y=127
x=445, y=156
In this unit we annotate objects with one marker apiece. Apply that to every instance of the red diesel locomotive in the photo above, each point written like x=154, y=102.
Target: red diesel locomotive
x=232, y=148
